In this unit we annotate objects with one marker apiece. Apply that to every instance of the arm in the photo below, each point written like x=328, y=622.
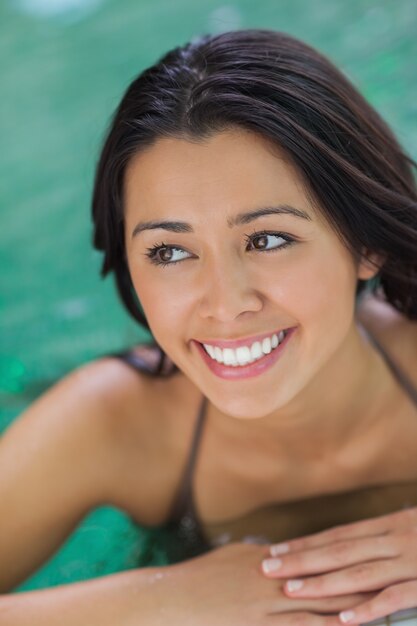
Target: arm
x=121, y=599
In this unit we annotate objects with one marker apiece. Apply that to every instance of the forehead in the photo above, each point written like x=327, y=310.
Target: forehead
x=231, y=170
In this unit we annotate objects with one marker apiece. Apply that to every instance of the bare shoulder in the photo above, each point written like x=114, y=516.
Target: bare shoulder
x=396, y=333
x=137, y=429
x=88, y=410
x=85, y=396
x=77, y=409
x=149, y=422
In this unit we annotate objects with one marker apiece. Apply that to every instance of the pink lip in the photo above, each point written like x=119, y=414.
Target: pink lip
x=248, y=341
x=244, y=371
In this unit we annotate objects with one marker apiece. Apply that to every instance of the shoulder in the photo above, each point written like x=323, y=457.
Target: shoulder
x=90, y=394
x=110, y=388
x=87, y=410
x=148, y=425
x=114, y=400
x=396, y=333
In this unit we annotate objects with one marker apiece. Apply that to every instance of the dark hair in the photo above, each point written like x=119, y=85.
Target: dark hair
x=270, y=83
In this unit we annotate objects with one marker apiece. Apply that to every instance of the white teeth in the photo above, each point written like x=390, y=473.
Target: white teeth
x=266, y=345
x=218, y=354
x=256, y=350
x=229, y=356
x=210, y=350
x=245, y=354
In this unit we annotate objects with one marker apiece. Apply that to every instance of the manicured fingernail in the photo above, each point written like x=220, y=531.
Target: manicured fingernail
x=346, y=616
x=271, y=565
x=279, y=548
x=294, y=585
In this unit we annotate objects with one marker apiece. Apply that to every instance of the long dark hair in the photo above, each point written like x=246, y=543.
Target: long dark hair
x=270, y=83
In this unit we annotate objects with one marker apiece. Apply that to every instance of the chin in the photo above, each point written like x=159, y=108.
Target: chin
x=242, y=409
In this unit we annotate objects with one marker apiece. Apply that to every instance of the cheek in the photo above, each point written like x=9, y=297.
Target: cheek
x=319, y=295
x=164, y=305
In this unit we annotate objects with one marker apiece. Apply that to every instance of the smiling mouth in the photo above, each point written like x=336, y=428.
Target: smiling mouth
x=245, y=354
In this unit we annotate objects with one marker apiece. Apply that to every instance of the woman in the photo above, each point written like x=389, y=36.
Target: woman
x=261, y=220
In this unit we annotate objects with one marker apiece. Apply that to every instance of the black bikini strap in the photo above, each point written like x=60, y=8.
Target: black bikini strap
x=183, y=496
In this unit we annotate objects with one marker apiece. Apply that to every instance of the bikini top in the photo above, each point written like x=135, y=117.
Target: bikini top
x=279, y=521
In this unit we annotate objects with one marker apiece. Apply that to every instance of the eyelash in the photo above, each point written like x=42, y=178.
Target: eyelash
x=153, y=251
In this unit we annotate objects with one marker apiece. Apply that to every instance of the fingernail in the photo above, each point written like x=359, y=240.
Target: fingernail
x=271, y=565
x=294, y=585
x=346, y=616
x=279, y=548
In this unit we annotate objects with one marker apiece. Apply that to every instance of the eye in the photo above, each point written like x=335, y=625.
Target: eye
x=166, y=254
x=262, y=238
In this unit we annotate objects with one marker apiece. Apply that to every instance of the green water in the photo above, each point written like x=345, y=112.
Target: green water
x=63, y=67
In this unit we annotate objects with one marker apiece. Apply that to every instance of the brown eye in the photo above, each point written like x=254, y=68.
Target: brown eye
x=165, y=254
x=263, y=239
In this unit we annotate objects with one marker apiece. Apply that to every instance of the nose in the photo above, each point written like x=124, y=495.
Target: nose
x=228, y=291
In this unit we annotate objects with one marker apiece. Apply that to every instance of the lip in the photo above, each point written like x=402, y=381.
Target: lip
x=240, y=372
x=236, y=343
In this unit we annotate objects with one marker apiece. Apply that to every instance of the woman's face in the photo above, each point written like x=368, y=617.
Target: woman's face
x=227, y=277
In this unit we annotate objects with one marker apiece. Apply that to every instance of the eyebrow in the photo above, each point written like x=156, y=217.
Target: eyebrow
x=237, y=220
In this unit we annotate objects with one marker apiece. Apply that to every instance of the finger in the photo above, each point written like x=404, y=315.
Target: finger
x=332, y=556
x=371, y=576
x=390, y=600
x=330, y=605
x=364, y=528
x=302, y=618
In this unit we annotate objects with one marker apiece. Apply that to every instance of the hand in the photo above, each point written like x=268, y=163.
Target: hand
x=226, y=586
x=378, y=554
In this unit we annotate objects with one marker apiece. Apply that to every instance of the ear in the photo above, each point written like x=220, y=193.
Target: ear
x=370, y=264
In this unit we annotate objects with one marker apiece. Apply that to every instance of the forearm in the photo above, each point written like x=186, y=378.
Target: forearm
x=127, y=598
